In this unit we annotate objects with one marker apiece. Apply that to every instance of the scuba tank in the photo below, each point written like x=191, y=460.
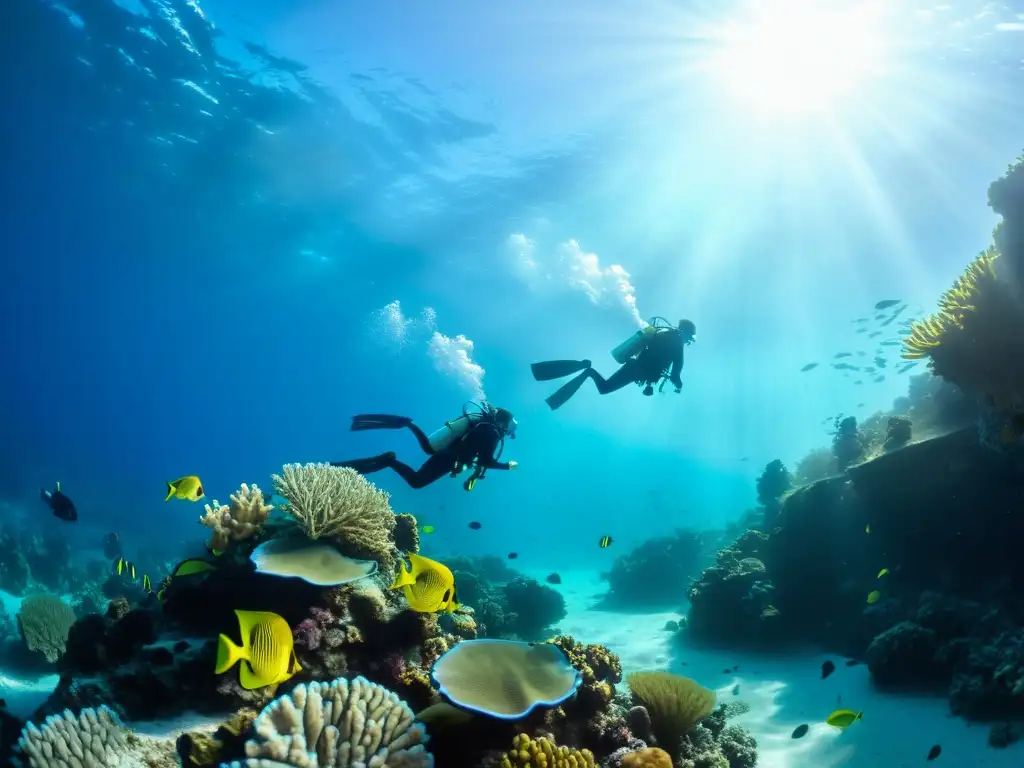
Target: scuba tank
x=635, y=343
x=455, y=429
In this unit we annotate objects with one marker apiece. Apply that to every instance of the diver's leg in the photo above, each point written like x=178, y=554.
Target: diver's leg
x=421, y=438
x=368, y=465
x=627, y=374
x=433, y=469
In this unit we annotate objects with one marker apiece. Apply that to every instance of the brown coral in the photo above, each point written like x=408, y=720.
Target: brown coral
x=675, y=704
x=242, y=519
x=652, y=757
x=976, y=338
x=338, y=503
x=407, y=535
x=600, y=668
x=543, y=753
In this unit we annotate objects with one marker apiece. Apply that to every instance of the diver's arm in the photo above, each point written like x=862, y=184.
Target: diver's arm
x=677, y=367
x=489, y=442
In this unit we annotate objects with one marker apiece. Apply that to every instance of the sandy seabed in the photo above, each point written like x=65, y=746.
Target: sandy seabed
x=784, y=692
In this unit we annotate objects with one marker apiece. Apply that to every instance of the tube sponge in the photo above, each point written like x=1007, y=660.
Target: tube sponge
x=94, y=739
x=45, y=621
x=336, y=725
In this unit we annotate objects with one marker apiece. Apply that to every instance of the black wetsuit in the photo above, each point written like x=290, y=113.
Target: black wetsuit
x=477, y=448
x=662, y=356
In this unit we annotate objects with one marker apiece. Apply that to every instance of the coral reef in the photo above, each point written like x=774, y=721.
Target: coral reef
x=847, y=442
x=340, y=504
x=733, y=600
x=531, y=608
x=771, y=485
x=95, y=739
x=656, y=573
x=674, y=703
x=407, y=535
x=337, y=723
x=527, y=752
x=241, y=520
x=45, y=621
x=898, y=432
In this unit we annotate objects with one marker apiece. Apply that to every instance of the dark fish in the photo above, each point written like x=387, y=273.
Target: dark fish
x=859, y=381
x=726, y=671
x=808, y=367
x=860, y=320
x=874, y=334
x=862, y=330
x=891, y=343
x=827, y=669
x=853, y=662
x=475, y=525
x=845, y=367
x=61, y=506
x=605, y=542
x=553, y=578
x=879, y=317
x=842, y=354
x=745, y=458
x=736, y=690
x=880, y=362
x=513, y=555
x=736, y=668
x=934, y=752
x=879, y=379
x=801, y=731
x=886, y=303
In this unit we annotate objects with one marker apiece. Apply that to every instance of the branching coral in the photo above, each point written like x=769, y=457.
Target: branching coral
x=675, y=704
x=94, y=739
x=45, y=621
x=338, y=503
x=342, y=723
x=242, y=519
x=544, y=753
x=976, y=338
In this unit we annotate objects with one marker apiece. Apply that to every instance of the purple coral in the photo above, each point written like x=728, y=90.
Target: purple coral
x=310, y=632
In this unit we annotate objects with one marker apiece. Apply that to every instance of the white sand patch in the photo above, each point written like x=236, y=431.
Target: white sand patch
x=25, y=696
x=785, y=692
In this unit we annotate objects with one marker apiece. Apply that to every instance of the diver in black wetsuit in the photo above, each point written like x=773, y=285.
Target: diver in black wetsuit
x=653, y=354
x=473, y=440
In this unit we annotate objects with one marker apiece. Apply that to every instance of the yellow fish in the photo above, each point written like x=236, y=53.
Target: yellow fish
x=843, y=718
x=882, y=573
x=163, y=588
x=267, y=652
x=429, y=586
x=874, y=597
x=191, y=566
x=428, y=529
x=146, y=583
x=189, y=488
x=867, y=528
x=123, y=566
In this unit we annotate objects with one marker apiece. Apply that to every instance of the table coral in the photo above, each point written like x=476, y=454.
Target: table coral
x=45, y=621
x=240, y=520
x=544, y=753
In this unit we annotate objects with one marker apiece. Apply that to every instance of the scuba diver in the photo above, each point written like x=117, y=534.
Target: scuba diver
x=473, y=440
x=651, y=355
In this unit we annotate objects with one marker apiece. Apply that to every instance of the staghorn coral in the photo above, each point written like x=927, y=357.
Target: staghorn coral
x=45, y=621
x=339, y=723
x=976, y=337
x=675, y=704
x=544, y=753
x=242, y=519
x=339, y=503
x=651, y=757
x=95, y=739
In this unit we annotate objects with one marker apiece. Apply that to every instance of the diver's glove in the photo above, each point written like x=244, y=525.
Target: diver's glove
x=513, y=464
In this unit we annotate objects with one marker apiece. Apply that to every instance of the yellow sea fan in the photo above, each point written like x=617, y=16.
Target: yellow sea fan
x=954, y=306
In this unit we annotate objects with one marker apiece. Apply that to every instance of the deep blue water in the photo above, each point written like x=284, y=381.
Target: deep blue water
x=208, y=207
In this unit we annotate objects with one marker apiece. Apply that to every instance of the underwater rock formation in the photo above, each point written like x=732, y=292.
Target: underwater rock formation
x=771, y=485
x=531, y=609
x=847, y=442
x=656, y=573
x=733, y=601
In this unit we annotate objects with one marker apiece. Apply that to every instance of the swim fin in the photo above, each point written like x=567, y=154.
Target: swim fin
x=378, y=421
x=558, y=369
x=366, y=466
x=567, y=390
